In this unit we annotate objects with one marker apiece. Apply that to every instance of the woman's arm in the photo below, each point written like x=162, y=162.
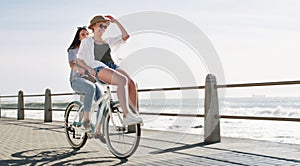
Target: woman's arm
x=77, y=68
x=81, y=63
x=81, y=56
x=125, y=35
x=72, y=62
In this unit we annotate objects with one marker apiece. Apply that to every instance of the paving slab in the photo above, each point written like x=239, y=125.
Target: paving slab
x=33, y=142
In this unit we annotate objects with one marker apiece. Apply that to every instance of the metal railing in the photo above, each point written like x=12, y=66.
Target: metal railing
x=211, y=115
x=37, y=95
x=47, y=104
x=259, y=85
x=227, y=86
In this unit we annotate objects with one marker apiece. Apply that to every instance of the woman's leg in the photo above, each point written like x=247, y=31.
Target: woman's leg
x=131, y=89
x=115, y=78
x=82, y=85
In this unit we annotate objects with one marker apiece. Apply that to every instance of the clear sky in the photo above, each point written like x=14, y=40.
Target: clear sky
x=256, y=40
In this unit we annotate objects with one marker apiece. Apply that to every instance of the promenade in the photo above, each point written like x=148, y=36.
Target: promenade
x=33, y=142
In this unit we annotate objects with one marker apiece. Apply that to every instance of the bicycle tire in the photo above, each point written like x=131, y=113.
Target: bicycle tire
x=121, y=141
x=76, y=137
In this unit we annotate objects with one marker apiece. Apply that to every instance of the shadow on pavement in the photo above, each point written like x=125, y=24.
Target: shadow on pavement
x=58, y=156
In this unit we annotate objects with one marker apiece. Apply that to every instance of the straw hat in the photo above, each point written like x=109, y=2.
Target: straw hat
x=97, y=19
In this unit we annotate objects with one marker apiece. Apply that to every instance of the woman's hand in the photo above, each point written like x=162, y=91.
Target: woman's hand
x=92, y=72
x=80, y=70
x=111, y=18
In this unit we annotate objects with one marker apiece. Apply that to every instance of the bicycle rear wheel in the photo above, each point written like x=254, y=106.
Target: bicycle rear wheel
x=73, y=118
x=121, y=140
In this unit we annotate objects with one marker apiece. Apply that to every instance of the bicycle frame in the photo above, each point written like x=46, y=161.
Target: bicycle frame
x=121, y=140
x=105, y=101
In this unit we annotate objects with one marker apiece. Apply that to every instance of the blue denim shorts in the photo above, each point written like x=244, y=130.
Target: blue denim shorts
x=110, y=65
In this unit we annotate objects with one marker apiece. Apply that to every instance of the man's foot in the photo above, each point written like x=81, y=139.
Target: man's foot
x=131, y=119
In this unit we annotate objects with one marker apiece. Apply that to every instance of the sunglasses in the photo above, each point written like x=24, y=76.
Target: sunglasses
x=101, y=26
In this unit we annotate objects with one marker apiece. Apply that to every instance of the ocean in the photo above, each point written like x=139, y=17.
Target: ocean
x=277, y=131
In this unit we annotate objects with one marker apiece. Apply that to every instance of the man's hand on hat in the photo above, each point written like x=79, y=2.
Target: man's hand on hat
x=111, y=18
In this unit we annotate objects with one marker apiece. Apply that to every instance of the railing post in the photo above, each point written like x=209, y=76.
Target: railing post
x=48, y=106
x=20, y=106
x=211, y=119
x=137, y=98
x=0, y=106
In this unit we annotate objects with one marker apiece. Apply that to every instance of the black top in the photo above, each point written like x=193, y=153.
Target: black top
x=102, y=53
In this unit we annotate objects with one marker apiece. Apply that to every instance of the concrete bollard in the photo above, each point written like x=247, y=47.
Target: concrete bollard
x=211, y=119
x=48, y=106
x=20, y=106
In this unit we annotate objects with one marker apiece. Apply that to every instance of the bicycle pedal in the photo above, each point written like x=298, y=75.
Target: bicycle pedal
x=77, y=124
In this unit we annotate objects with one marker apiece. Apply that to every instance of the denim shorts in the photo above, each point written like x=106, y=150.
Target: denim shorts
x=110, y=65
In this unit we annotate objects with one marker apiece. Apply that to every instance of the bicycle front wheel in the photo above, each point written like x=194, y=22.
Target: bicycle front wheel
x=121, y=140
x=73, y=129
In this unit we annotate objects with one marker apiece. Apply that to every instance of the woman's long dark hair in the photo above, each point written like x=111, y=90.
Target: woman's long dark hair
x=76, y=42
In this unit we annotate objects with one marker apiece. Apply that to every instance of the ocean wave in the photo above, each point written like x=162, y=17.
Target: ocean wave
x=248, y=106
x=258, y=111
x=62, y=105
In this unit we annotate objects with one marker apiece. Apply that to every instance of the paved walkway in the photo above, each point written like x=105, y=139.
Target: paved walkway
x=32, y=142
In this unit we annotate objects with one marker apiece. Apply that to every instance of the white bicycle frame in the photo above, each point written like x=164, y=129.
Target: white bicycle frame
x=105, y=99
x=112, y=125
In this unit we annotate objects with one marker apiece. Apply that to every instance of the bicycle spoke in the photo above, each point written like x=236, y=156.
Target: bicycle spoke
x=121, y=141
x=75, y=136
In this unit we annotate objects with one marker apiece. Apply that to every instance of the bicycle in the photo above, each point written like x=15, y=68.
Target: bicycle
x=122, y=141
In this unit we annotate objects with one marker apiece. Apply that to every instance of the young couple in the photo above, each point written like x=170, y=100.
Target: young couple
x=93, y=55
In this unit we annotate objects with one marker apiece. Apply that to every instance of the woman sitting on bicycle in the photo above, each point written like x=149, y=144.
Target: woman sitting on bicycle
x=78, y=81
x=95, y=55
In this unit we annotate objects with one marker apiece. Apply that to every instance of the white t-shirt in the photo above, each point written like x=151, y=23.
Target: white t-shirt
x=86, y=50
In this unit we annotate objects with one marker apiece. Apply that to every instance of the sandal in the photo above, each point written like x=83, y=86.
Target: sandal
x=87, y=126
x=100, y=137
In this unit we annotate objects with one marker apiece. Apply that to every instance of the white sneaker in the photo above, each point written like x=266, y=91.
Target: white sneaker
x=131, y=119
